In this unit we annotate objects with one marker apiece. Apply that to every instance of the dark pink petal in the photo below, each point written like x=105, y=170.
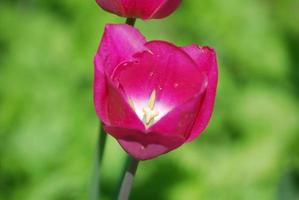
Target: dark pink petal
x=140, y=8
x=203, y=56
x=114, y=6
x=118, y=44
x=148, y=9
x=180, y=120
x=100, y=91
x=145, y=9
x=165, y=9
x=120, y=113
x=167, y=134
x=144, y=145
x=206, y=61
x=111, y=106
x=166, y=69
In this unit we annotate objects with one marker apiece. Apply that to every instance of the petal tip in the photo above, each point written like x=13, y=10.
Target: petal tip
x=143, y=152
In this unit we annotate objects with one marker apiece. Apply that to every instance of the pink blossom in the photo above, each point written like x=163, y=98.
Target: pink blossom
x=152, y=96
x=145, y=9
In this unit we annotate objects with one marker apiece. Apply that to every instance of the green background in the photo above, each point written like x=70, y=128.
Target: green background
x=48, y=126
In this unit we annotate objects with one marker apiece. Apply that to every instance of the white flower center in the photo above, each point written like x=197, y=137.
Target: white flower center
x=149, y=112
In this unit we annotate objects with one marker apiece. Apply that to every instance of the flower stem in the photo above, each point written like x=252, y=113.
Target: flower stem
x=126, y=182
x=101, y=143
x=127, y=178
x=95, y=189
x=131, y=21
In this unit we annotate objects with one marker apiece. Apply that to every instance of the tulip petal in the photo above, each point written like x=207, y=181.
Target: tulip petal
x=167, y=70
x=100, y=91
x=144, y=145
x=118, y=44
x=181, y=119
x=166, y=8
x=167, y=134
x=205, y=57
x=147, y=9
x=114, y=6
x=111, y=105
x=140, y=8
x=206, y=60
x=120, y=113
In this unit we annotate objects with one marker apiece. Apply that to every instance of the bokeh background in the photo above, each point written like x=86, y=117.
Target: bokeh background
x=48, y=126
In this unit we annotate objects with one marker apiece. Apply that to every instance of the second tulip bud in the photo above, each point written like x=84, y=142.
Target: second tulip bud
x=145, y=9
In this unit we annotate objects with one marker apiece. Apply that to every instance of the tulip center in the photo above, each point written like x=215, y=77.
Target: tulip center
x=149, y=112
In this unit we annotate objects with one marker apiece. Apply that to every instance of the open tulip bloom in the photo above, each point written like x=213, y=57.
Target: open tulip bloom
x=145, y=9
x=152, y=96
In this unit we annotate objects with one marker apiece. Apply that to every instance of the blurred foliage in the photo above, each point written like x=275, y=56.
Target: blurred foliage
x=48, y=127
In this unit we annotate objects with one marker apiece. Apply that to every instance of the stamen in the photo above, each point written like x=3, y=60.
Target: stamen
x=131, y=102
x=151, y=102
x=149, y=115
x=149, y=112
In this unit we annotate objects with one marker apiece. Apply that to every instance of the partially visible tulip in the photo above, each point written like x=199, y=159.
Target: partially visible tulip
x=145, y=9
x=152, y=96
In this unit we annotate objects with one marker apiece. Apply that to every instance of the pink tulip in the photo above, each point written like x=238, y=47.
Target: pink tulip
x=145, y=9
x=152, y=96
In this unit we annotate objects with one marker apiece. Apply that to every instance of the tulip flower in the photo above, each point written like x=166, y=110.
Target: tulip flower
x=145, y=9
x=152, y=96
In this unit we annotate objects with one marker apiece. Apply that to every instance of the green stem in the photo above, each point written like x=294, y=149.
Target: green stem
x=127, y=180
x=131, y=21
x=101, y=143
x=95, y=189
